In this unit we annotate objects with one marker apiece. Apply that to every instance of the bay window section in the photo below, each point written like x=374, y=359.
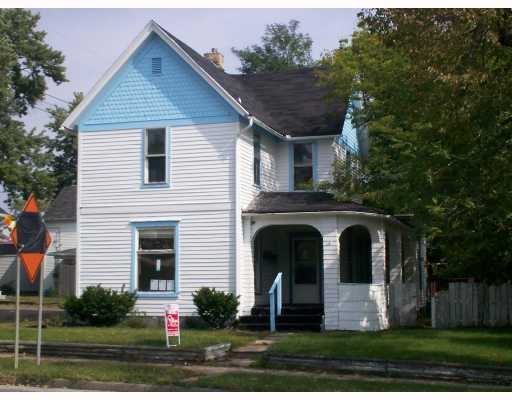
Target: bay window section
x=156, y=260
x=303, y=166
x=155, y=156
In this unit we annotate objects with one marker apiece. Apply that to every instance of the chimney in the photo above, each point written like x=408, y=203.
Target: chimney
x=216, y=58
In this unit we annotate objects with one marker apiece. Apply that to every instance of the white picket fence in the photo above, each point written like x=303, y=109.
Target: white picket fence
x=472, y=304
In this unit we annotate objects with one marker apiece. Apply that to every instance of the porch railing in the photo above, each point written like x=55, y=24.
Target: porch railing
x=275, y=300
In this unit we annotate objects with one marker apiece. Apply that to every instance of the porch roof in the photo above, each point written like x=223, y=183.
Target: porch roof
x=292, y=202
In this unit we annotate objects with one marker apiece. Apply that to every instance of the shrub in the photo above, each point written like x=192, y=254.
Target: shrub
x=99, y=307
x=216, y=308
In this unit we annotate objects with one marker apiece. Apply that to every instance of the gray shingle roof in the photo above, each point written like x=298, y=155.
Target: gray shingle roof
x=292, y=102
x=63, y=207
x=287, y=202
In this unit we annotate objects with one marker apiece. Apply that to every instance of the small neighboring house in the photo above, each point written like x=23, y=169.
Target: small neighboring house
x=189, y=177
x=60, y=219
x=7, y=259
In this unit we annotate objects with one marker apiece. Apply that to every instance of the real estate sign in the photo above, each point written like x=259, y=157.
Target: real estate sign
x=172, y=323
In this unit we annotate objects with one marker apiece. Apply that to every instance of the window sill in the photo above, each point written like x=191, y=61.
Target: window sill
x=157, y=295
x=154, y=185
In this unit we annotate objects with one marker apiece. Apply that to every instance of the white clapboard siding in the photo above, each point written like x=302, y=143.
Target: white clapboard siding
x=325, y=154
x=201, y=170
x=283, y=166
x=200, y=197
x=362, y=307
x=268, y=178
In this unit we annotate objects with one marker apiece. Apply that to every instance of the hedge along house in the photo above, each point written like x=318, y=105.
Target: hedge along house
x=191, y=177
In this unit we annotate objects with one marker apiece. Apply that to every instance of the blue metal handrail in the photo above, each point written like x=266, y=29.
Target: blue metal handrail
x=275, y=294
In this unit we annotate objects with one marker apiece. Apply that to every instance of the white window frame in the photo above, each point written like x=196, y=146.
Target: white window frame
x=154, y=225
x=147, y=156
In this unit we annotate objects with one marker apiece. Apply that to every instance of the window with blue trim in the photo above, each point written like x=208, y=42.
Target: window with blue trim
x=156, y=259
x=155, y=156
x=257, y=159
x=303, y=176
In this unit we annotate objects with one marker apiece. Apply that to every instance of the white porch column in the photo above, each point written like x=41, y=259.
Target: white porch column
x=246, y=269
x=378, y=234
x=395, y=274
x=331, y=258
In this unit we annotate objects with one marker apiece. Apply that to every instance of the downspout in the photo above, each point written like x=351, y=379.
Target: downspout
x=249, y=125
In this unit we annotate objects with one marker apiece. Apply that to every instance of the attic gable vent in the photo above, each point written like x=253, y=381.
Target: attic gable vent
x=156, y=66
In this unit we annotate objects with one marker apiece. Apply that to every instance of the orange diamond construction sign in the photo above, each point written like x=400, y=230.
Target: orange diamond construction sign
x=31, y=238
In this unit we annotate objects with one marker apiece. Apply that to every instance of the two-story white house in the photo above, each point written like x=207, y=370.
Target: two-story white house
x=189, y=177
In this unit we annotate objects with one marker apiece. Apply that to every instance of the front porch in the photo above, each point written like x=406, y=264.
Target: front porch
x=352, y=265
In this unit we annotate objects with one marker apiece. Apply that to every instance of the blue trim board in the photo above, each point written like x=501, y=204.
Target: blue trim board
x=167, y=183
x=133, y=281
x=223, y=119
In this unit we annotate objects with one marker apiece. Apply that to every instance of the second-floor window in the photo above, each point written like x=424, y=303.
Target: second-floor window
x=303, y=166
x=155, y=156
x=257, y=159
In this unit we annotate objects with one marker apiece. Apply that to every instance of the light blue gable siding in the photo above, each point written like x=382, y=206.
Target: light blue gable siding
x=136, y=97
x=348, y=137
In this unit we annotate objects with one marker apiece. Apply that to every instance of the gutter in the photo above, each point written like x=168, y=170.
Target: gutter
x=388, y=217
x=288, y=138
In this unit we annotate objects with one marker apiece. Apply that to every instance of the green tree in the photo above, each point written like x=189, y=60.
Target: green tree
x=437, y=94
x=26, y=62
x=65, y=160
x=283, y=48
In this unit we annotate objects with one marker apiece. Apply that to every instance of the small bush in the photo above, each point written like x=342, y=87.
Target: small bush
x=216, y=308
x=99, y=307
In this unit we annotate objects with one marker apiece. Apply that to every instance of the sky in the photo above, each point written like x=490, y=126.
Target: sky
x=92, y=39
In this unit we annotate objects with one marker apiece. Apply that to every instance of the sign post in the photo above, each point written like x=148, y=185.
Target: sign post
x=17, y=337
x=172, y=323
x=40, y=313
x=30, y=236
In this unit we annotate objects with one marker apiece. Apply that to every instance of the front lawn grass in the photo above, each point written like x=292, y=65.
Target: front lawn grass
x=122, y=335
x=105, y=371
x=254, y=382
x=472, y=346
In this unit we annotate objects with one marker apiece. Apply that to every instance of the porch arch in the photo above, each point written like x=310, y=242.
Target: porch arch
x=277, y=248
x=356, y=255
